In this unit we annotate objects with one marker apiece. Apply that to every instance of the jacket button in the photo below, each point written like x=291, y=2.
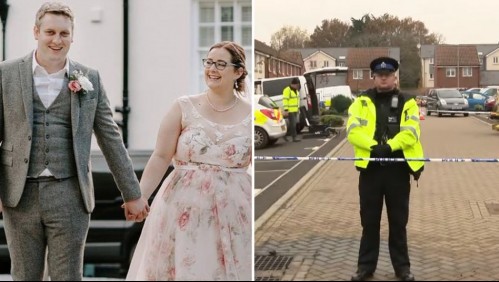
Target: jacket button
x=47, y=111
x=26, y=160
x=47, y=150
x=46, y=162
x=29, y=138
x=47, y=136
x=47, y=124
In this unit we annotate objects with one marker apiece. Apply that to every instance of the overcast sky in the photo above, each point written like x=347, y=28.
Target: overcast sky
x=459, y=21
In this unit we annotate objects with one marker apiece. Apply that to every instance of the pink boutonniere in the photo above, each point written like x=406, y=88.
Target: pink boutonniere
x=79, y=83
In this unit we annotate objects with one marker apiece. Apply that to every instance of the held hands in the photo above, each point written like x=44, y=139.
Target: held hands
x=136, y=210
x=381, y=151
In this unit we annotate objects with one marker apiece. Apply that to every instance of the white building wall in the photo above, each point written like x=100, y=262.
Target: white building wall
x=161, y=64
x=425, y=70
x=490, y=65
x=164, y=59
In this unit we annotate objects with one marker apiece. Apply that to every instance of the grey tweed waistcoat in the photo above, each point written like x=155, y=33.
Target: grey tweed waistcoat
x=52, y=144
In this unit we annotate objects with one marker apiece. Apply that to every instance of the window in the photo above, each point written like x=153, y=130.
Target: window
x=432, y=70
x=358, y=74
x=313, y=64
x=341, y=64
x=450, y=72
x=467, y=72
x=431, y=60
x=326, y=64
x=219, y=20
x=496, y=60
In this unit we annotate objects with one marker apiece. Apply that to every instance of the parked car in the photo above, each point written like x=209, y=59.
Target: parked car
x=476, y=101
x=269, y=122
x=448, y=100
x=492, y=93
x=110, y=239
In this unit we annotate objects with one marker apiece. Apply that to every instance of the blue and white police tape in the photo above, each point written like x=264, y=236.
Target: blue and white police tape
x=438, y=160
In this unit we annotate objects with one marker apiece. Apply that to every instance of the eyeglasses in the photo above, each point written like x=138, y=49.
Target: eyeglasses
x=220, y=65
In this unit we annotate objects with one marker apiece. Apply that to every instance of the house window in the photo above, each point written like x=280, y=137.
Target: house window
x=450, y=72
x=278, y=67
x=431, y=60
x=467, y=72
x=326, y=64
x=358, y=74
x=274, y=64
x=219, y=20
x=341, y=64
x=496, y=60
x=432, y=70
x=313, y=64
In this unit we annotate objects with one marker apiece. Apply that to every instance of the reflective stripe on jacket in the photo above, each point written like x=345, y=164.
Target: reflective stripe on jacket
x=290, y=100
x=361, y=126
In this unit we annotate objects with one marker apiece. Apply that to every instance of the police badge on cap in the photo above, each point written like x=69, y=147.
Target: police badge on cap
x=384, y=64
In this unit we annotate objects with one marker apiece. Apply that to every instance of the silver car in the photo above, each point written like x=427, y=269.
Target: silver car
x=446, y=101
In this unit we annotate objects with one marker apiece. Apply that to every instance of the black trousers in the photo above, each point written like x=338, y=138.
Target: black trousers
x=390, y=182
x=293, y=120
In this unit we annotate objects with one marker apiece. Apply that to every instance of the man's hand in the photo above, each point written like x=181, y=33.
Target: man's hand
x=381, y=151
x=136, y=210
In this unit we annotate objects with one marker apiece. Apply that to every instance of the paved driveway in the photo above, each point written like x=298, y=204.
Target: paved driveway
x=453, y=228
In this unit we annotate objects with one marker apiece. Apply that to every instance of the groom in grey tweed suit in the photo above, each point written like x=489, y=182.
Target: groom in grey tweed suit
x=45, y=133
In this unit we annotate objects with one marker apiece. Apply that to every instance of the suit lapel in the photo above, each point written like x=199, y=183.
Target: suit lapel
x=26, y=75
x=75, y=103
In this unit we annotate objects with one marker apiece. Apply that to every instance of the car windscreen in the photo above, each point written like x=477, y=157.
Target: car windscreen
x=267, y=102
x=449, y=94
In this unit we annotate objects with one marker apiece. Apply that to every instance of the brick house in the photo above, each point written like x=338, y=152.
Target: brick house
x=358, y=62
x=271, y=63
x=488, y=60
x=356, y=59
x=456, y=66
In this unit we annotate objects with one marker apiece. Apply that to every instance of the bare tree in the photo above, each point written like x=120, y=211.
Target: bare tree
x=289, y=37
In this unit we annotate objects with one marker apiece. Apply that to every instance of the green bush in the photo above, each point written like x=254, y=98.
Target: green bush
x=329, y=112
x=340, y=103
x=332, y=120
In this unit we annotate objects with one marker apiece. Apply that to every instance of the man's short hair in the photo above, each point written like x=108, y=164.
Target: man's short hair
x=56, y=8
x=295, y=80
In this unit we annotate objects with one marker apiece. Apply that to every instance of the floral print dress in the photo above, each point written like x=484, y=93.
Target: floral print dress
x=200, y=224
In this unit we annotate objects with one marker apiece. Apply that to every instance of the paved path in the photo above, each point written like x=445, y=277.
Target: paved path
x=453, y=228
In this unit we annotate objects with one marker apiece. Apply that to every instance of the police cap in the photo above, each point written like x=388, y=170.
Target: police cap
x=384, y=64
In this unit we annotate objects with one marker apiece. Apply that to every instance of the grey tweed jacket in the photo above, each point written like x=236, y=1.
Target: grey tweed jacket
x=89, y=112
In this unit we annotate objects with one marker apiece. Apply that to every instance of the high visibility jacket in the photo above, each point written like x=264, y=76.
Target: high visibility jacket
x=361, y=127
x=290, y=100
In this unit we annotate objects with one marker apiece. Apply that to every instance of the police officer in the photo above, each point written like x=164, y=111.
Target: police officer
x=291, y=104
x=384, y=123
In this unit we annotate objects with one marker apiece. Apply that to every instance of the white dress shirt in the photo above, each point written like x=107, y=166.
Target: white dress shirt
x=48, y=86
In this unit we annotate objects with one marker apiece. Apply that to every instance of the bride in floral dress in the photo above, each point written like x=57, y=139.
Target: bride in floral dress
x=200, y=224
